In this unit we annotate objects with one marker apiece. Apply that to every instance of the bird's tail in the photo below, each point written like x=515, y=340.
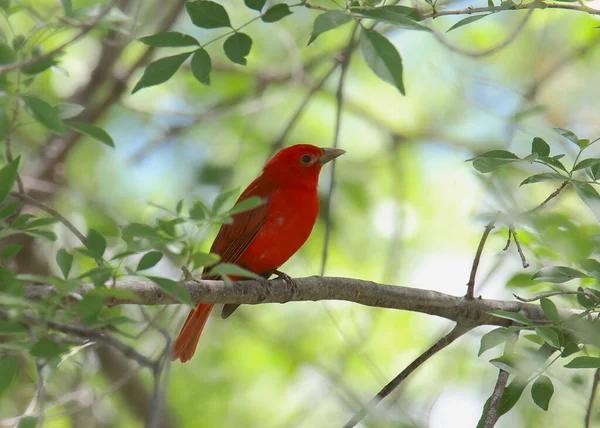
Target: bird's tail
x=185, y=344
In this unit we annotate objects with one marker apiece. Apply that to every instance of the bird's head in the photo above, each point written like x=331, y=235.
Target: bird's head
x=300, y=163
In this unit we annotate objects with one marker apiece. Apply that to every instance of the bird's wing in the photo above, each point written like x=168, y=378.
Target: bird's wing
x=233, y=239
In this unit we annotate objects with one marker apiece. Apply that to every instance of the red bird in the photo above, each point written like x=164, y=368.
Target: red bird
x=264, y=238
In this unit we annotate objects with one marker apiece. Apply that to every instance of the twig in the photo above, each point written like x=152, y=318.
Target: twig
x=549, y=198
x=31, y=201
x=339, y=97
x=493, y=403
x=519, y=249
x=83, y=332
x=495, y=399
x=557, y=293
x=13, y=126
x=456, y=332
x=487, y=52
x=590, y=407
x=85, y=28
x=533, y=5
x=278, y=143
x=508, y=240
x=484, y=237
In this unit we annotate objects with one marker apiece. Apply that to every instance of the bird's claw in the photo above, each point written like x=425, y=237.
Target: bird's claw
x=288, y=280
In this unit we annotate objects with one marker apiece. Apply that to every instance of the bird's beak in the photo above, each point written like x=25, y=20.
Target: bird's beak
x=330, y=154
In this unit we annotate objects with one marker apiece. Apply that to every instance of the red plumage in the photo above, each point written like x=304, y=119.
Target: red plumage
x=264, y=238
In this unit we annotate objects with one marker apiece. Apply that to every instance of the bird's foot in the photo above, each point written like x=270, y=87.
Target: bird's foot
x=288, y=280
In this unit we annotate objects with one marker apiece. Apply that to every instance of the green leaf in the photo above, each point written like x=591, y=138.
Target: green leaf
x=542, y=391
x=275, y=13
x=149, y=259
x=9, y=367
x=64, y=260
x=553, y=161
x=89, y=307
x=44, y=234
x=4, y=123
x=39, y=65
x=44, y=348
x=7, y=55
x=8, y=176
x=255, y=4
x=27, y=421
x=67, y=7
x=510, y=397
x=43, y=221
x=140, y=230
x=201, y=66
x=466, y=21
x=513, y=316
x=493, y=338
x=161, y=70
x=540, y=147
x=237, y=47
x=10, y=250
x=398, y=16
x=10, y=327
x=96, y=243
x=492, y=160
x=222, y=199
x=584, y=301
x=199, y=211
x=545, y=176
x=510, y=363
x=169, y=39
x=589, y=196
x=179, y=207
x=44, y=113
x=570, y=135
x=201, y=259
x=382, y=57
x=231, y=270
x=246, y=205
x=586, y=163
x=584, y=363
x=328, y=21
x=549, y=335
x=22, y=219
x=558, y=274
x=11, y=208
x=69, y=110
x=550, y=310
x=93, y=131
x=207, y=14
x=173, y=289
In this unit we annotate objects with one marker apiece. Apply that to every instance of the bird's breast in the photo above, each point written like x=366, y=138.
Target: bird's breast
x=292, y=215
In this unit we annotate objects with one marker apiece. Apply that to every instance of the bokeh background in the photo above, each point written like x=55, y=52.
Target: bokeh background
x=406, y=208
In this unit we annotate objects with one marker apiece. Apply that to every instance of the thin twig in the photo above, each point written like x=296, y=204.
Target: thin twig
x=339, y=97
x=557, y=293
x=519, y=249
x=278, y=143
x=32, y=201
x=508, y=240
x=13, y=126
x=456, y=332
x=590, y=407
x=83, y=332
x=484, y=237
x=487, y=52
x=85, y=28
x=549, y=198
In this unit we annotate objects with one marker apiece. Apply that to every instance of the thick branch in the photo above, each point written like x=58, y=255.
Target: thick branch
x=466, y=312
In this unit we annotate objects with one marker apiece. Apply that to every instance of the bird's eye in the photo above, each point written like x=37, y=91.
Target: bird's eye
x=306, y=159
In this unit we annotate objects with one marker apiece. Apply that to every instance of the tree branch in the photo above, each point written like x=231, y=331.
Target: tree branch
x=467, y=312
x=456, y=332
x=590, y=407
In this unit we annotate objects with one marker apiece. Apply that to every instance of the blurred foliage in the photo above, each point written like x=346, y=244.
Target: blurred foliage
x=141, y=129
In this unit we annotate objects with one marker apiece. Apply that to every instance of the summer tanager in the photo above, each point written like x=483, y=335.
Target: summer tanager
x=262, y=239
